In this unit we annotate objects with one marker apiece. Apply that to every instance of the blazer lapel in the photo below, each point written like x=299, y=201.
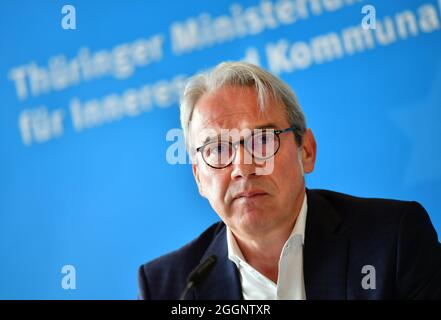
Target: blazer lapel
x=325, y=252
x=223, y=282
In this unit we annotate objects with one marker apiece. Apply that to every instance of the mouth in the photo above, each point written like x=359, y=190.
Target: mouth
x=252, y=194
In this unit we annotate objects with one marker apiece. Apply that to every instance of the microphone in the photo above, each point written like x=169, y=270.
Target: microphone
x=199, y=274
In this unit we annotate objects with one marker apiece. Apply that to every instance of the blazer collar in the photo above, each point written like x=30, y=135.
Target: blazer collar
x=325, y=252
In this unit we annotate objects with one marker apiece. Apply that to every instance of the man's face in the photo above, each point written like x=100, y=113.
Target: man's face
x=250, y=204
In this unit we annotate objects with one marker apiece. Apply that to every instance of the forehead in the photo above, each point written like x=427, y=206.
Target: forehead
x=234, y=107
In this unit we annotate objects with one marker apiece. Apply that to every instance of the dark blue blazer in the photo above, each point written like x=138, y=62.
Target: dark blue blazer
x=343, y=234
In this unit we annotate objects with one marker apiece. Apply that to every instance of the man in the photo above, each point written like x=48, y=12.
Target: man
x=277, y=239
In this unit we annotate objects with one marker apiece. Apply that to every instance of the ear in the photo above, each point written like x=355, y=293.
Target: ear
x=196, y=178
x=309, y=151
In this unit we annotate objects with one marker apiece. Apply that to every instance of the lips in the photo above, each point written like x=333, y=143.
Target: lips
x=249, y=194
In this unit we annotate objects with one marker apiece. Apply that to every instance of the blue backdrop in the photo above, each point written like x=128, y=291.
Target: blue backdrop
x=89, y=94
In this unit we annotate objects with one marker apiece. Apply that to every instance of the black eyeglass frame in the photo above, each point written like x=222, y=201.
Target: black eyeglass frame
x=242, y=142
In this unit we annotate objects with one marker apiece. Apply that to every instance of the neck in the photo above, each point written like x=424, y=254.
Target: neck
x=264, y=253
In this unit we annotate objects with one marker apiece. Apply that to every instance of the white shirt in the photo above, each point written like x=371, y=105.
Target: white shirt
x=290, y=283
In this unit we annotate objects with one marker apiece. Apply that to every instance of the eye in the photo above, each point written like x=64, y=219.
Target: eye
x=219, y=148
x=264, y=138
x=216, y=149
x=263, y=144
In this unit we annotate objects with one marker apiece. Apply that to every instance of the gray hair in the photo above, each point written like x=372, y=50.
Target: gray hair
x=244, y=75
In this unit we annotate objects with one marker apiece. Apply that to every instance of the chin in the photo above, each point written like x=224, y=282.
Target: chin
x=254, y=220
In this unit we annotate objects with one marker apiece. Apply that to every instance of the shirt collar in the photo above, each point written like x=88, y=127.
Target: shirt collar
x=299, y=227
x=234, y=252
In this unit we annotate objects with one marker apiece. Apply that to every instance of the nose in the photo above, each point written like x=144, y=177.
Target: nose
x=243, y=165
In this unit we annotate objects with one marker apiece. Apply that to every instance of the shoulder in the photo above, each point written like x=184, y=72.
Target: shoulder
x=367, y=219
x=374, y=223
x=190, y=254
x=166, y=275
x=396, y=237
x=374, y=210
x=345, y=200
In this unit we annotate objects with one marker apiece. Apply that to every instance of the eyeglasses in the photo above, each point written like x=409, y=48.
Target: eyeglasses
x=262, y=144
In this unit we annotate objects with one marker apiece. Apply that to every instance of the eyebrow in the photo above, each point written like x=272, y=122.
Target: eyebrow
x=264, y=126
